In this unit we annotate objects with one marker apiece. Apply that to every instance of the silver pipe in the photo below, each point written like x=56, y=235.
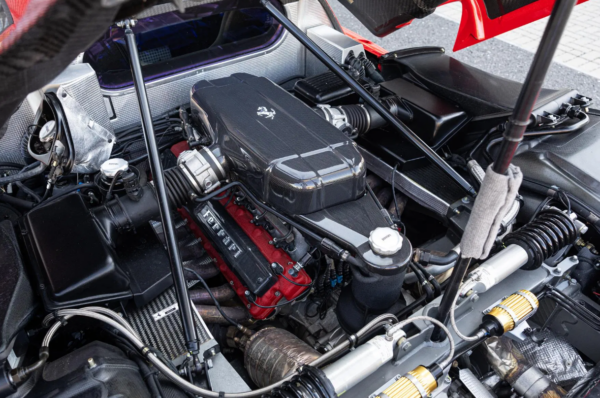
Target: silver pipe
x=495, y=270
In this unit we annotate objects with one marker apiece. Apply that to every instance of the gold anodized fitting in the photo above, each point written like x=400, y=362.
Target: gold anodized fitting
x=514, y=309
x=417, y=383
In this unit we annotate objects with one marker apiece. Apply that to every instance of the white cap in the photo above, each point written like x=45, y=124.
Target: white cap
x=385, y=241
x=112, y=166
x=48, y=131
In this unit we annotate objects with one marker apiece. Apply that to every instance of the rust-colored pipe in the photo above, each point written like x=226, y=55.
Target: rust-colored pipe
x=222, y=293
x=204, y=266
x=210, y=314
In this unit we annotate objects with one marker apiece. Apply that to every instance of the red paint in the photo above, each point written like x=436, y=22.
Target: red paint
x=370, y=47
x=180, y=147
x=25, y=14
x=261, y=239
x=476, y=26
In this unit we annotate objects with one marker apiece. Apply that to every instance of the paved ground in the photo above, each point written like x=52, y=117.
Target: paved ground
x=510, y=54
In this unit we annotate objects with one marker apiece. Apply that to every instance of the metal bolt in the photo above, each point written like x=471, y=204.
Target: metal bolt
x=277, y=294
x=466, y=200
x=92, y=363
x=406, y=346
x=448, y=379
x=474, y=298
x=557, y=271
x=231, y=283
x=573, y=259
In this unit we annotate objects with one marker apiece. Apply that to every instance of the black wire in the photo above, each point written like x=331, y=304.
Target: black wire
x=67, y=191
x=398, y=217
x=295, y=283
x=436, y=285
x=223, y=314
x=302, y=296
x=429, y=294
x=112, y=185
x=238, y=184
x=10, y=166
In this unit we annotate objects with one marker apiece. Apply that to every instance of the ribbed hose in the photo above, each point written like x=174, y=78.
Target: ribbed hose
x=550, y=231
x=358, y=117
x=179, y=188
x=310, y=383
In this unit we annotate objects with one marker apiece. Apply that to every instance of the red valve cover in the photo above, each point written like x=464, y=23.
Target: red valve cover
x=261, y=238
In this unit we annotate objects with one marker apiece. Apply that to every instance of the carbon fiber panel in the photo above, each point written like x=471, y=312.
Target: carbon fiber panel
x=279, y=63
x=406, y=185
x=165, y=333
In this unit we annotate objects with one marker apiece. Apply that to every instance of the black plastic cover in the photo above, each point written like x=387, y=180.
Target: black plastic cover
x=569, y=161
x=236, y=248
x=76, y=265
x=323, y=88
x=433, y=118
x=71, y=376
x=16, y=295
x=383, y=17
x=351, y=224
x=476, y=91
x=280, y=148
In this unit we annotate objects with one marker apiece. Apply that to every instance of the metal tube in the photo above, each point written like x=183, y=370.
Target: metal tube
x=458, y=274
x=366, y=96
x=495, y=270
x=520, y=118
x=163, y=202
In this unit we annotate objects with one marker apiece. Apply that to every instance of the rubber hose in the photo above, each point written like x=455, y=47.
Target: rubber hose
x=35, y=171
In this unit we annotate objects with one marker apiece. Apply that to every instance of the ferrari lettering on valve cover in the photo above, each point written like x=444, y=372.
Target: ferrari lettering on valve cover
x=243, y=199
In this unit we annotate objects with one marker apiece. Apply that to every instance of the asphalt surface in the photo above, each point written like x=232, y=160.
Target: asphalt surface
x=493, y=56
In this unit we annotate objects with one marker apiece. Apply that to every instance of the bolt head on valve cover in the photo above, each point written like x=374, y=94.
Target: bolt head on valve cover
x=385, y=241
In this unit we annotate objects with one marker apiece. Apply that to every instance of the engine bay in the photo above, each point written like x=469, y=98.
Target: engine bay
x=272, y=226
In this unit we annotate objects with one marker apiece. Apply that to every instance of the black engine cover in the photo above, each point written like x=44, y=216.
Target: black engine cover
x=281, y=149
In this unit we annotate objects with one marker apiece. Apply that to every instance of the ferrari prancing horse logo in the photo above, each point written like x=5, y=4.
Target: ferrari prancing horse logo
x=263, y=111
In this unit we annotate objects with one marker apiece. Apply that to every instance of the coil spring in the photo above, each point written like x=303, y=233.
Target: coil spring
x=310, y=383
x=178, y=187
x=550, y=231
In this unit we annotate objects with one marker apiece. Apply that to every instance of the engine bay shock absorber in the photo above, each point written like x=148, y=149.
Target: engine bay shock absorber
x=550, y=231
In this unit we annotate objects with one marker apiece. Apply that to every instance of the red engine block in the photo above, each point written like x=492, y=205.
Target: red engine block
x=281, y=289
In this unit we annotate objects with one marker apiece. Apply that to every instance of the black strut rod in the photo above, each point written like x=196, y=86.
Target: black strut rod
x=520, y=119
x=183, y=299
x=366, y=96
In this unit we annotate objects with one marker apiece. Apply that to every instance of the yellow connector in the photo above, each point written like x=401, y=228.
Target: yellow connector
x=516, y=307
x=417, y=383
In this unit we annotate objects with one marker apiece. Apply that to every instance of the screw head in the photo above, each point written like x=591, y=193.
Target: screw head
x=557, y=271
x=92, y=363
x=277, y=294
x=466, y=200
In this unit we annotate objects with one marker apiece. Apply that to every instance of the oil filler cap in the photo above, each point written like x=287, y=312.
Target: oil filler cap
x=385, y=241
